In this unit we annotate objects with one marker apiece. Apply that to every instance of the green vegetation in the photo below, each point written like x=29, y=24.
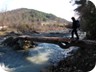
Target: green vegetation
x=26, y=20
x=87, y=11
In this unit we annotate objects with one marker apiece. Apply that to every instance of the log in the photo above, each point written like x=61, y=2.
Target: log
x=59, y=41
x=47, y=39
x=26, y=42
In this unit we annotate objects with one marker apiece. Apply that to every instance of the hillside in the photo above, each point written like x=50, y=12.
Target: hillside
x=15, y=18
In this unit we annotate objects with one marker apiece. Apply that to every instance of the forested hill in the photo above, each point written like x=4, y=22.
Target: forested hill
x=37, y=15
x=29, y=19
x=30, y=15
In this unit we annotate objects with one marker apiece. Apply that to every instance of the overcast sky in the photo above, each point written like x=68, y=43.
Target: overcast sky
x=60, y=8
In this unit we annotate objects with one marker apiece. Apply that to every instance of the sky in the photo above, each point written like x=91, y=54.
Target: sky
x=60, y=8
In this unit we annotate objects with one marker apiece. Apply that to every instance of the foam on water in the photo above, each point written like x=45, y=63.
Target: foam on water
x=33, y=60
x=4, y=68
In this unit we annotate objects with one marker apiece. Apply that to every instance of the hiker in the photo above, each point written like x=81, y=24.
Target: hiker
x=75, y=26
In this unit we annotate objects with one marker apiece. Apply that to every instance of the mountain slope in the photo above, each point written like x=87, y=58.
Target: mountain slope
x=25, y=17
x=30, y=15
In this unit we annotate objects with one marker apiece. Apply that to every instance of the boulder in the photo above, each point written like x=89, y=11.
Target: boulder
x=18, y=43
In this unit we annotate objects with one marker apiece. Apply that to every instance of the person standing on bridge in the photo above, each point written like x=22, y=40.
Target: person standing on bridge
x=75, y=26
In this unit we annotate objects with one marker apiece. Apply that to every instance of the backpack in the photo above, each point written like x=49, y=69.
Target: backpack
x=77, y=23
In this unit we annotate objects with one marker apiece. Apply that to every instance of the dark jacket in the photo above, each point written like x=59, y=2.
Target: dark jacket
x=75, y=24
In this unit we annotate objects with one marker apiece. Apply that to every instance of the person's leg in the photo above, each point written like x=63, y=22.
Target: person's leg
x=75, y=30
x=72, y=34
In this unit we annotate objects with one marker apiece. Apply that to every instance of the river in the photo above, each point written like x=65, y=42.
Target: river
x=35, y=59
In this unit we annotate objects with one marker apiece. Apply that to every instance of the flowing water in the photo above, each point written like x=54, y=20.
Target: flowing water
x=33, y=60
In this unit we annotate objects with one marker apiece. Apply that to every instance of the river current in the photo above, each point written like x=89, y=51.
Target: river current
x=33, y=60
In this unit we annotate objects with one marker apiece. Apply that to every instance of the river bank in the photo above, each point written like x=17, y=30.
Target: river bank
x=62, y=60
x=34, y=59
x=84, y=60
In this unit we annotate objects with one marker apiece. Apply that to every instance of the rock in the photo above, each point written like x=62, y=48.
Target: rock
x=8, y=41
x=83, y=60
x=18, y=43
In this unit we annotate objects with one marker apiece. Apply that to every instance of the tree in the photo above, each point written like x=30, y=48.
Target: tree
x=3, y=18
x=87, y=14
